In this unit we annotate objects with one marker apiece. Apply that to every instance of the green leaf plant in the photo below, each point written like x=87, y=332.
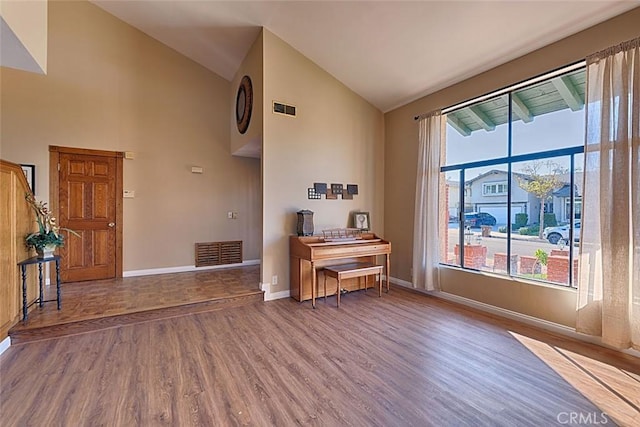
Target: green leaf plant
x=48, y=231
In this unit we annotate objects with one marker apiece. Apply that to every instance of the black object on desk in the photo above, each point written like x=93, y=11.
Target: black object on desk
x=40, y=300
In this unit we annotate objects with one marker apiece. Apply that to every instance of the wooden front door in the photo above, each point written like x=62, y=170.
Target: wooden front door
x=89, y=191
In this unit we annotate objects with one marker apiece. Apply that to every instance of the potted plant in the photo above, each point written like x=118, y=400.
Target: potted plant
x=48, y=237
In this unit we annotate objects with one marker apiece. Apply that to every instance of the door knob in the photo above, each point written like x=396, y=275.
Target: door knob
x=112, y=224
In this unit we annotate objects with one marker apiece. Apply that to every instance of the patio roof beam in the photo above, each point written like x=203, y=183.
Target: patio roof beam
x=458, y=125
x=520, y=109
x=481, y=118
x=568, y=92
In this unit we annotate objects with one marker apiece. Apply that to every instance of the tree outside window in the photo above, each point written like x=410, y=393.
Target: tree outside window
x=542, y=179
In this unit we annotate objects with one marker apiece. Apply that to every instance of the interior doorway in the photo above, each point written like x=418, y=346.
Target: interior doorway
x=86, y=192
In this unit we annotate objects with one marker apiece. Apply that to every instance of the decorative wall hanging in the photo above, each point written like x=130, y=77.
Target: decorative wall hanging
x=313, y=195
x=30, y=174
x=244, y=104
x=320, y=187
x=332, y=191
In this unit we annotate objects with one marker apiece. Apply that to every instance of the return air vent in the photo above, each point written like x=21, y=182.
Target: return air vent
x=218, y=253
x=287, y=110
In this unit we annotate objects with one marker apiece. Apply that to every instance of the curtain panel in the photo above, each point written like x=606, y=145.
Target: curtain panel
x=426, y=243
x=609, y=260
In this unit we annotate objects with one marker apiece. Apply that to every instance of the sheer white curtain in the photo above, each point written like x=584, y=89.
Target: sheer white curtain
x=609, y=278
x=426, y=244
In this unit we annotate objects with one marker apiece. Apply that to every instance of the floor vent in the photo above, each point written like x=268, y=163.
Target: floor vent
x=218, y=253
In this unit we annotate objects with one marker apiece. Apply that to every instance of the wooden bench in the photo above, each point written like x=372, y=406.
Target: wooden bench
x=348, y=271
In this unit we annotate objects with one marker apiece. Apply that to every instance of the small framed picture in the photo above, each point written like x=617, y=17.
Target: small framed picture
x=320, y=187
x=30, y=174
x=361, y=220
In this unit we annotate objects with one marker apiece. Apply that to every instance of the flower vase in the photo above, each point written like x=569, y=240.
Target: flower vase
x=45, y=251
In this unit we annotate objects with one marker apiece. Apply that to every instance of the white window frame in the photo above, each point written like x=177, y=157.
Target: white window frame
x=495, y=185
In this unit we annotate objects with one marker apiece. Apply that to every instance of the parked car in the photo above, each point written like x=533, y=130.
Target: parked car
x=561, y=232
x=476, y=219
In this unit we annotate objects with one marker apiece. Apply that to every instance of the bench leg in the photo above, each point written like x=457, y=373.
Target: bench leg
x=325, y=288
x=314, y=282
x=387, y=265
x=338, y=291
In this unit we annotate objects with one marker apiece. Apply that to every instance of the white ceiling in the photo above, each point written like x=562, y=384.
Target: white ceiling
x=389, y=52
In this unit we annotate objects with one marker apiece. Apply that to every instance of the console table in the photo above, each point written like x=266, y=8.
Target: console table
x=40, y=261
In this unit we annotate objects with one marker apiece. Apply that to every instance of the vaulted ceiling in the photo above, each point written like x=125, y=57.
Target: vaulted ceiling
x=389, y=52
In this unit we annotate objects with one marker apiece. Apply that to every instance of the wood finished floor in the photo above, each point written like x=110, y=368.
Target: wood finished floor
x=105, y=303
x=400, y=360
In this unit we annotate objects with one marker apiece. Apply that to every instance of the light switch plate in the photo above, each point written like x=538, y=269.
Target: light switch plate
x=129, y=194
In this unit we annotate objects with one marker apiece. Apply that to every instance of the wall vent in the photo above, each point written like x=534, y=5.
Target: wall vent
x=287, y=110
x=218, y=253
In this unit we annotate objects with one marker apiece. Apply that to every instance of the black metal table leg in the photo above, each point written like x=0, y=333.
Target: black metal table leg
x=58, y=294
x=24, y=291
x=41, y=302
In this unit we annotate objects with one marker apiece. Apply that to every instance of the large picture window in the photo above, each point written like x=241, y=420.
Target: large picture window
x=512, y=167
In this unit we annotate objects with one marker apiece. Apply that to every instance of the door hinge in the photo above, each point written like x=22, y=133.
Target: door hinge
x=58, y=167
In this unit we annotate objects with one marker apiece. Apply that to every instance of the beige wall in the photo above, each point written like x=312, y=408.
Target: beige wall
x=401, y=141
x=111, y=87
x=337, y=137
x=552, y=303
x=27, y=20
x=253, y=64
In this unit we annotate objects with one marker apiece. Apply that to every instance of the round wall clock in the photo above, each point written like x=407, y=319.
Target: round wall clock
x=244, y=104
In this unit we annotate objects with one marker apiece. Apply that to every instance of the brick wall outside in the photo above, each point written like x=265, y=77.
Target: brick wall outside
x=475, y=256
x=558, y=269
x=444, y=243
x=527, y=264
x=500, y=262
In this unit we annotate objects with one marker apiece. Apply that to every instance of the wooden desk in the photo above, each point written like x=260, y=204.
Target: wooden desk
x=40, y=300
x=308, y=254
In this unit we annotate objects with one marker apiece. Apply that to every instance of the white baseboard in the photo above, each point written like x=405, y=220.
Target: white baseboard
x=513, y=315
x=401, y=282
x=185, y=268
x=5, y=344
x=271, y=296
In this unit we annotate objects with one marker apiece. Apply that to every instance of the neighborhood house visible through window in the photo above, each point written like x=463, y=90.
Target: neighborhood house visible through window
x=513, y=166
